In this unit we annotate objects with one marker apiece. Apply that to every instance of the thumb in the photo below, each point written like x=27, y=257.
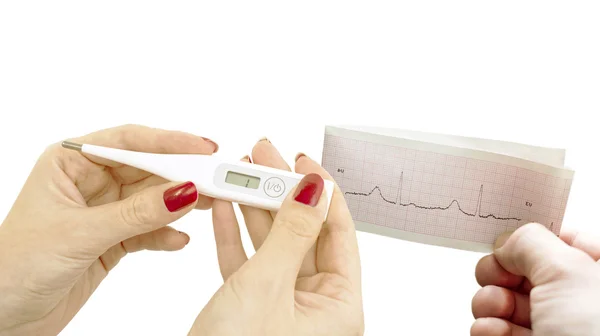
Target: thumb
x=147, y=210
x=536, y=253
x=295, y=229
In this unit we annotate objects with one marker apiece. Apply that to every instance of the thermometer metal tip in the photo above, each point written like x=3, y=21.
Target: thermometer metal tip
x=72, y=145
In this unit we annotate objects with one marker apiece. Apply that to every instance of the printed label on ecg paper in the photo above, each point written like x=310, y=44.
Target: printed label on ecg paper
x=415, y=186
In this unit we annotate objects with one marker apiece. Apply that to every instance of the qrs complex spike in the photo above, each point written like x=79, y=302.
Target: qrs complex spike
x=445, y=190
x=454, y=201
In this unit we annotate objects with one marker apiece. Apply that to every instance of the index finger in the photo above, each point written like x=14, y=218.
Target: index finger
x=147, y=139
x=588, y=243
x=337, y=250
x=144, y=139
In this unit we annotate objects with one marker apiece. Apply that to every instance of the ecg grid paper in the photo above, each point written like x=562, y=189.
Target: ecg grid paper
x=440, y=195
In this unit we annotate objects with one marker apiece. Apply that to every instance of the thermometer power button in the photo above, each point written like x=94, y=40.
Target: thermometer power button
x=274, y=187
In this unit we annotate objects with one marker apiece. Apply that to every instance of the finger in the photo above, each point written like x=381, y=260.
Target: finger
x=230, y=251
x=589, y=244
x=491, y=326
x=163, y=239
x=294, y=231
x=337, y=250
x=489, y=272
x=258, y=221
x=493, y=301
x=535, y=252
x=203, y=203
x=143, y=139
x=142, y=212
x=525, y=287
x=265, y=154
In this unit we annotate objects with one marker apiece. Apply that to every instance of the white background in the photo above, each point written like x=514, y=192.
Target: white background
x=525, y=71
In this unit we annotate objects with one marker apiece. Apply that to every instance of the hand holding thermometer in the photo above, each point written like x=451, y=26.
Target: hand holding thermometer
x=235, y=181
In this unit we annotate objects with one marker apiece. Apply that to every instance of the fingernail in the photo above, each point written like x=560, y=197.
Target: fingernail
x=299, y=155
x=501, y=240
x=185, y=235
x=264, y=139
x=309, y=189
x=247, y=158
x=180, y=196
x=213, y=143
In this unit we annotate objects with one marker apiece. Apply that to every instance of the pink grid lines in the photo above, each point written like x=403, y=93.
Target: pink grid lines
x=441, y=195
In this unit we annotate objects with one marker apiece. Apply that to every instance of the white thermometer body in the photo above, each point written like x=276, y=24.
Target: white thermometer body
x=235, y=181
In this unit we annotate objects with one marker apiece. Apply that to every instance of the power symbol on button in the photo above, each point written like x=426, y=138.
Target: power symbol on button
x=274, y=187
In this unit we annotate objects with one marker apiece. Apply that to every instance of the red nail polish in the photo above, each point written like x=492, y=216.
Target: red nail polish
x=309, y=189
x=180, y=196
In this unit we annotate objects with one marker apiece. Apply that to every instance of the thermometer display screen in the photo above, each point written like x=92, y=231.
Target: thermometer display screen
x=242, y=180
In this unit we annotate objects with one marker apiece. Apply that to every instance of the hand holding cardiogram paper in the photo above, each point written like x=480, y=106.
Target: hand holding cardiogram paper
x=78, y=215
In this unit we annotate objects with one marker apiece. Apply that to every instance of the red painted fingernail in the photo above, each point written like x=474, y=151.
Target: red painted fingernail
x=247, y=158
x=180, y=196
x=309, y=189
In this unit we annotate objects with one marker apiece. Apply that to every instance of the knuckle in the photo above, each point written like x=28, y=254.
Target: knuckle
x=524, y=235
x=121, y=135
x=529, y=229
x=135, y=212
x=128, y=127
x=301, y=224
x=124, y=133
x=556, y=269
x=52, y=151
x=526, y=244
x=574, y=262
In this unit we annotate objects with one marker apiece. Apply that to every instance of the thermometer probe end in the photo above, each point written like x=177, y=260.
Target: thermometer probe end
x=72, y=145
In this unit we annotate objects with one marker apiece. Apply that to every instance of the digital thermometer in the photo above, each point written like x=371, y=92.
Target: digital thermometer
x=235, y=181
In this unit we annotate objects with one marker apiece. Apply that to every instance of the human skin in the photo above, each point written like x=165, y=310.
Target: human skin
x=536, y=283
x=304, y=278
x=77, y=216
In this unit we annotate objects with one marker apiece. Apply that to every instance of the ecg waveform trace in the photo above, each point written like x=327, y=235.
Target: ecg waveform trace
x=441, y=194
x=454, y=201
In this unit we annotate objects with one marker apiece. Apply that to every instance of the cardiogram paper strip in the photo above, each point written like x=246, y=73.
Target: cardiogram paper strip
x=441, y=195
